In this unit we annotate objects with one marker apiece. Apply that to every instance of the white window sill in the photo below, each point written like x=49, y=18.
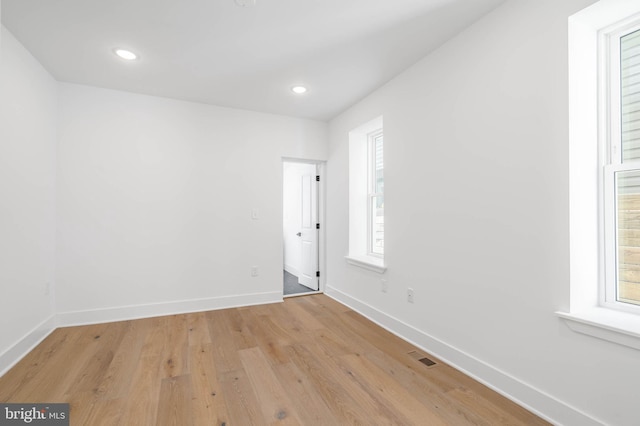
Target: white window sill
x=370, y=263
x=619, y=327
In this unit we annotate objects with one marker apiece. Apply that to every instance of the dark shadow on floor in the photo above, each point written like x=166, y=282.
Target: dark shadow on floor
x=291, y=285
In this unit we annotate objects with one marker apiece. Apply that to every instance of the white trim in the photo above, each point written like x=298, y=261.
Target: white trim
x=123, y=313
x=306, y=293
x=584, y=179
x=535, y=400
x=322, y=218
x=26, y=344
x=292, y=270
x=370, y=263
x=614, y=326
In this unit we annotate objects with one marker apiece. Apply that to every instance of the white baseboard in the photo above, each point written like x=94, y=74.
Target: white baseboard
x=15, y=353
x=525, y=395
x=290, y=269
x=123, y=313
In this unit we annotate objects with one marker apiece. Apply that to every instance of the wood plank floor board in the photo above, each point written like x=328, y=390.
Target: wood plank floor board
x=80, y=406
x=240, y=331
x=308, y=361
x=209, y=406
x=377, y=336
x=156, y=339
x=365, y=392
x=304, y=393
x=141, y=403
x=242, y=402
x=93, y=362
x=329, y=386
x=198, y=329
x=274, y=329
x=273, y=344
x=293, y=328
x=103, y=413
x=389, y=391
x=456, y=384
x=51, y=350
x=339, y=335
x=326, y=304
x=107, y=348
x=332, y=344
x=425, y=390
x=56, y=381
x=226, y=351
x=176, y=347
x=118, y=376
x=482, y=408
x=302, y=317
x=274, y=402
x=175, y=402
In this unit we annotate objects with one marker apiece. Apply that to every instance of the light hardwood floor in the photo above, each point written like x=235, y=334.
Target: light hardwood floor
x=308, y=361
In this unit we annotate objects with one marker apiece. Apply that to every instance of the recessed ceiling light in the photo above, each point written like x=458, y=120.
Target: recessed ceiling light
x=299, y=89
x=126, y=54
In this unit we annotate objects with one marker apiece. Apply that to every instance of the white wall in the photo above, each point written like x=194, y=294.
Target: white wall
x=477, y=207
x=28, y=114
x=155, y=199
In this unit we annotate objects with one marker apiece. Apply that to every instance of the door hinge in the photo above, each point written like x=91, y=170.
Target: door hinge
x=318, y=274
x=317, y=178
x=317, y=226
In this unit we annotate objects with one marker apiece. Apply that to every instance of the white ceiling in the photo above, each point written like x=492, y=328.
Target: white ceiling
x=215, y=52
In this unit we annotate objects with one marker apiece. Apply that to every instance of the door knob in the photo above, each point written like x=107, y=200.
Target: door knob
x=299, y=234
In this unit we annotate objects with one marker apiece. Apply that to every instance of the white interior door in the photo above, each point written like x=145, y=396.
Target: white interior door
x=308, y=232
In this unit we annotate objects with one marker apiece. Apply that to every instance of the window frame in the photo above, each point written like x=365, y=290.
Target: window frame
x=611, y=160
x=359, y=254
x=371, y=190
x=582, y=311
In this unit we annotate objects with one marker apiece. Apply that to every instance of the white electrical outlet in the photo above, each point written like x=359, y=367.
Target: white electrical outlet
x=410, y=295
x=384, y=286
x=254, y=271
x=255, y=214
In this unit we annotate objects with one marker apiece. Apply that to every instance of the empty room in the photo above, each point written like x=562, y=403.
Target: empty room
x=247, y=212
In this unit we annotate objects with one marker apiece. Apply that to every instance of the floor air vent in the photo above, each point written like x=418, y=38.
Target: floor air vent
x=419, y=356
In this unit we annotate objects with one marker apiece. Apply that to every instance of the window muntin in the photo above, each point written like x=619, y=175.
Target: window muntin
x=375, y=183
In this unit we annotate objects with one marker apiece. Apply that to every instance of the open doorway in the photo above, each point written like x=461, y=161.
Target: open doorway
x=300, y=226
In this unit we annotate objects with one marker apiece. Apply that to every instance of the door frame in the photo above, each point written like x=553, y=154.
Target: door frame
x=321, y=167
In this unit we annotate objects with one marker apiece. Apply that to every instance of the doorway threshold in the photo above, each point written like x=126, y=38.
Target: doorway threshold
x=308, y=293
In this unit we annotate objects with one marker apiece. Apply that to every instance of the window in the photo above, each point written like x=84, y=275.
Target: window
x=376, y=194
x=604, y=172
x=620, y=196
x=366, y=196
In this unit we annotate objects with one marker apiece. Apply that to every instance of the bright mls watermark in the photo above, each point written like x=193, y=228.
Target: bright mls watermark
x=34, y=414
